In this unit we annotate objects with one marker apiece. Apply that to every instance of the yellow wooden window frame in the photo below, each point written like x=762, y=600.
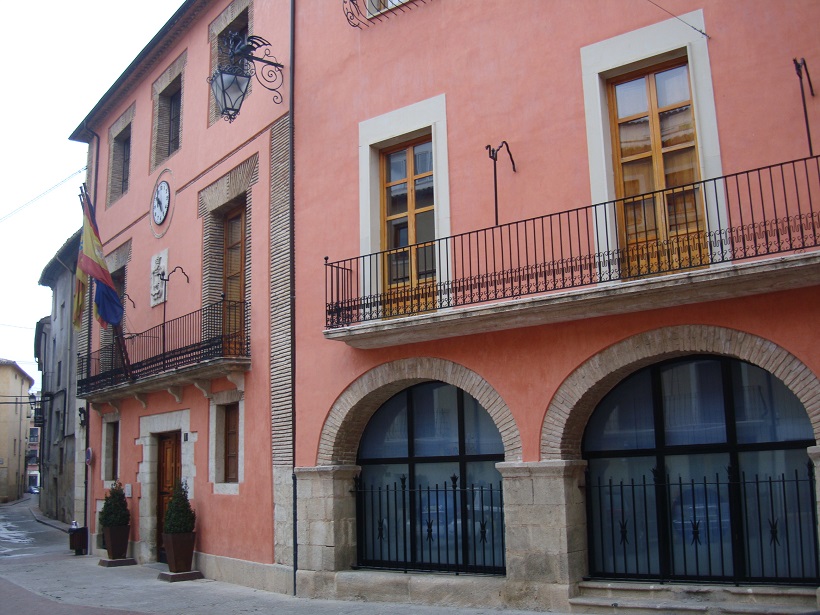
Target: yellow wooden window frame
x=411, y=177
x=666, y=249
x=233, y=324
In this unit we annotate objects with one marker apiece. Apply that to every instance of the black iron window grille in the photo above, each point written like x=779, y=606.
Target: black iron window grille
x=767, y=211
x=698, y=471
x=429, y=496
x=776, y=541
x=219, y=330
x=441, y=527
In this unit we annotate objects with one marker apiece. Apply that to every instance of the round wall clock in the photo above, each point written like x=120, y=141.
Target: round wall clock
x=161, y=209
x=162, y=200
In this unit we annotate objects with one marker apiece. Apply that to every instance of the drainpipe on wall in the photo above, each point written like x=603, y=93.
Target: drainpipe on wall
x=85, y=475
x=292, y=248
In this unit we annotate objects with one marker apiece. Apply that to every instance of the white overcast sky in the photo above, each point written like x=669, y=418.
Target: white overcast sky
x=55, y=73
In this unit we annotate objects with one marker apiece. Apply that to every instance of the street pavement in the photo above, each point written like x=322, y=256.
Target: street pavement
x=40, y=575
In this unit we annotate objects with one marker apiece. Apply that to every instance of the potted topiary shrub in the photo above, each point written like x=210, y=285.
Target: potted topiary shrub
x=115, y=521
x=178, y=530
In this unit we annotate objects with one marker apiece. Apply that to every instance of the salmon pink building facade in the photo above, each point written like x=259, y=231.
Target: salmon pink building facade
x=565, y=349
x=492, y=304
x=193, y=216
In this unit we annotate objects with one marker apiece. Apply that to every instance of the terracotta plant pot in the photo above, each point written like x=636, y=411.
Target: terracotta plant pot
x=179, y=549
x=116, y=541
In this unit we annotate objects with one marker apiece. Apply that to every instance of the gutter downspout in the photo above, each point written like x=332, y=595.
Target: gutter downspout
x=85, y=478
x=292, y=249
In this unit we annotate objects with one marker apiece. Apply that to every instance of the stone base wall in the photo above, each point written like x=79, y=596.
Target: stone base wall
x=268, y=577
x=545, y=543
x=283, y=515
x=466, y=591
x=326, y=521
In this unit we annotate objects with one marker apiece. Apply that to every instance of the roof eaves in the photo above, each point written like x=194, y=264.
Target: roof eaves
x=65, y=258
x=145, y=60
x=13, y=364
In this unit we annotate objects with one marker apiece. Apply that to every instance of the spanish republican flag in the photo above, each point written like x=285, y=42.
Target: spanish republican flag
x=91, y=264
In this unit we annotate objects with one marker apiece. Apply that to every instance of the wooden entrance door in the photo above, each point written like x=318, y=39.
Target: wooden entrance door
x=169, y=472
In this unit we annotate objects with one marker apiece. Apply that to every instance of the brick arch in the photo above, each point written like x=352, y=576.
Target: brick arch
x=577, y=397
x=352, y=410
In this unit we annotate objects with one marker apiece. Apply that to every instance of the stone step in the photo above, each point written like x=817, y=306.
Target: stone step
x=603, y=606
x=626, y=597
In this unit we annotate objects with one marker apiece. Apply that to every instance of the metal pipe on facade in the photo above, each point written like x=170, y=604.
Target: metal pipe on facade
x=799, y=67
x=292, y=249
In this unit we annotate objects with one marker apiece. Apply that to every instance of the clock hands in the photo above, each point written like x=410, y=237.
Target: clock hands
x=160, y=204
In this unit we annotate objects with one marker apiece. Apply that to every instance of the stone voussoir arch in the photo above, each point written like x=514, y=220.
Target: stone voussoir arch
x=576, y=398
x=345, y=423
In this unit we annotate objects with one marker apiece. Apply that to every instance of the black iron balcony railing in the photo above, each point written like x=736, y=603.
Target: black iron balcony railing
x=434, y=528
x=767, y=211
x=219, y=330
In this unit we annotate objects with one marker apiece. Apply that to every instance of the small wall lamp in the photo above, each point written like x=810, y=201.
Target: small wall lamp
x=231, y=79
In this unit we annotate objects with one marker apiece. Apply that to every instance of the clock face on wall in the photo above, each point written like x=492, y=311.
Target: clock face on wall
x=161, y=202
x=161, y=208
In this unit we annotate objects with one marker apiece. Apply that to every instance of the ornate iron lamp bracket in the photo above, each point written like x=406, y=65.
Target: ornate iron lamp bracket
x=240, y=66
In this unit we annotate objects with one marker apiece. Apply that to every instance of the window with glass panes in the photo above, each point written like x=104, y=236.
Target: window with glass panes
x=231, y=462
x=234, y=280
x=661, y=219
x=408, y=213
x=429, y=496
x=698, y=470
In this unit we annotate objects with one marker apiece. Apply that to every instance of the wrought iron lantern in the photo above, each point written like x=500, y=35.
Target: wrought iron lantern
x=231, y=79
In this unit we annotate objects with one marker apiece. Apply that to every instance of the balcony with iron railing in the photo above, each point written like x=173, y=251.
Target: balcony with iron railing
x=207, y=343
x=730, y=236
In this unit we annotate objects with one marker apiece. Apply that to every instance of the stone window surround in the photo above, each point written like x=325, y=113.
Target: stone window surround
x=212, y=200
x=427, y=117
x=115, y=156
x=216, y=439
x=107, y=449
x=342, y=431
x=636, y=50
x=174, y=71
x=576, y=398
x=150, y=427
x=215, y=29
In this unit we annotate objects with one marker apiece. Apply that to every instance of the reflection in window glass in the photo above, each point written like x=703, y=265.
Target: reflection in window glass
x=765, y=409
x=430, y=495
x=622, y=492
x=397, y=166
x=435, y=414
x=631, y=98
x=386, y=433
x=672, y=86
x=623, y=420
x=693, y=403
x=706, y=501
x=423, y=157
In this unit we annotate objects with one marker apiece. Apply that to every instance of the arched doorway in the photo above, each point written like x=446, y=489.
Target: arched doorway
x=698, y=470
x=429, y=495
